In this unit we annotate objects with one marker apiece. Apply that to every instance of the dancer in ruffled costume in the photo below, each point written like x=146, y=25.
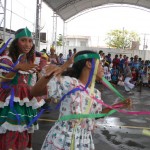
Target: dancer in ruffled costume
x=76, y=93
x=17, y=106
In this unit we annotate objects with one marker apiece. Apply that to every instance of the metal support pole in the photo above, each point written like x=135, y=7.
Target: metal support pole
x=64, y=39
x=37, y=28
x=54, y=34
x=53, y=31
x=4, y=27
x=144, y=45
x=144, y=42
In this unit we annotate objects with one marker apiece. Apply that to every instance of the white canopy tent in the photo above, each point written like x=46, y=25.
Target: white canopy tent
x=69, y=8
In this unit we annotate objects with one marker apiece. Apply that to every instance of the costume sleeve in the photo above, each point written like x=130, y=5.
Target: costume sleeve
x=58, y=86
x=6, y=61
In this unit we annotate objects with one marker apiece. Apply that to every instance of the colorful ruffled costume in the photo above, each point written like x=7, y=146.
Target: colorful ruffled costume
x=13, y=120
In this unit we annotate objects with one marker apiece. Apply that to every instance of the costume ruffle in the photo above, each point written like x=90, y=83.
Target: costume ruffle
x=22, y=95
x=17, y=118
x=7, y=126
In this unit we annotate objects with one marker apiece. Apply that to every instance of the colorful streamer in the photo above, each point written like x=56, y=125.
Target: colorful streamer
x=5, y=46
x=91, y=80
x=109, y=85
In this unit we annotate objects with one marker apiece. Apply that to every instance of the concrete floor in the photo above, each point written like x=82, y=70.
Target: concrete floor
x=116, y=132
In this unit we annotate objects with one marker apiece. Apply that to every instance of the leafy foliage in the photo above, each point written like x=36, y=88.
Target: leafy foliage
x=121, y=39
x=60, y=40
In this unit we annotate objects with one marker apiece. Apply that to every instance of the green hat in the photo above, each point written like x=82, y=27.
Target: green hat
x=24, y=33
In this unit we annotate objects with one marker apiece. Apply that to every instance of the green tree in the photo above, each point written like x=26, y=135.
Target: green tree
x=121, y=39
x=60, y=40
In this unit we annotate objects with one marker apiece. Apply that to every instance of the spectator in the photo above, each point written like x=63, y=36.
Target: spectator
x=136, y=62
x=101, y=55
x=120, y=80
x=131, y=62
x=60, y=59
x=108, y=58
x=107, y=73
x=128, y=76
x=120, y=57
x=53, y=58
x=121, y=63
x=145, y=76
x=134, y=75
x=74, y=51
x=114, y=75
x=116, y=61
x=69, y=54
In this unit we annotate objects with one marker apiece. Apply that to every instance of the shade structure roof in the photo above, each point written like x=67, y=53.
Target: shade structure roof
x=69, y=8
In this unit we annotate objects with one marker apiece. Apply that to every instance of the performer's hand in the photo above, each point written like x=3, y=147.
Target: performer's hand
x=27, y=67
x=52, y=70
x=71, y=59
x=127, y=103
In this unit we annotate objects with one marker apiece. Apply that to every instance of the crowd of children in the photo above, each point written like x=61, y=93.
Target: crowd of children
x=124, y=72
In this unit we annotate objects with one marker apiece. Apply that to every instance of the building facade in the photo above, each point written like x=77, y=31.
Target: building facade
x=77, y=41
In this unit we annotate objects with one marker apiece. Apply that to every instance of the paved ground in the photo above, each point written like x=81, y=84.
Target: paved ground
x=116, y=132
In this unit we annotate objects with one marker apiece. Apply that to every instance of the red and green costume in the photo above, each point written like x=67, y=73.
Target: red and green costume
x=13, y=121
